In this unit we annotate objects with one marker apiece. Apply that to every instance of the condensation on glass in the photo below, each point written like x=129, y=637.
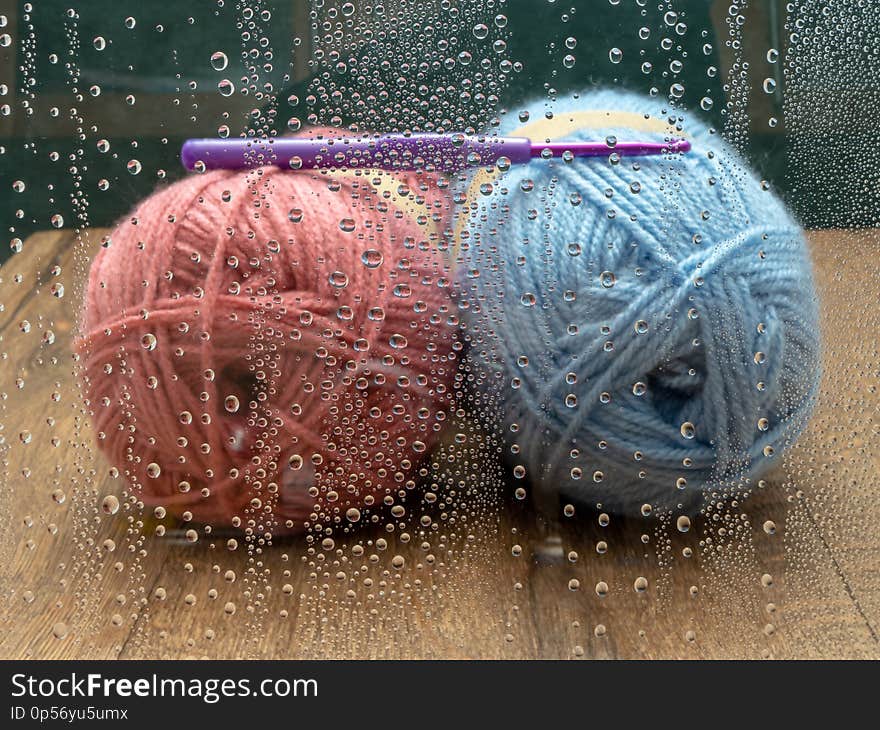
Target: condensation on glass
x=503, y=412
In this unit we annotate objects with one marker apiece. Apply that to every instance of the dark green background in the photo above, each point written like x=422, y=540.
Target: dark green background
x=147, y=62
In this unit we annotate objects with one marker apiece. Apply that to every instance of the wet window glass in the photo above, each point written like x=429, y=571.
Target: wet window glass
x=450, y=329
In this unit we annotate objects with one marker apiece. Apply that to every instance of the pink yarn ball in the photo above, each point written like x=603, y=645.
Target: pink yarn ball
x=272, y=349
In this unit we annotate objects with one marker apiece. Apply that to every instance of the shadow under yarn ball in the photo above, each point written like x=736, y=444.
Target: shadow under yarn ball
x=272, y=349
x=645, y=329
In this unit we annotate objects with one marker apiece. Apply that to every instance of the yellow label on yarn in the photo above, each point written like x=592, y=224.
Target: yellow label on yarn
x=565, y=124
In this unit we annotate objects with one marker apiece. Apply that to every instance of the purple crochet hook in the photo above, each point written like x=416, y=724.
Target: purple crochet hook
x=439, y=152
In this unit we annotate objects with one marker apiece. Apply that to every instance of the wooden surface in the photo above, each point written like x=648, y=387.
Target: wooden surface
x=811, y=589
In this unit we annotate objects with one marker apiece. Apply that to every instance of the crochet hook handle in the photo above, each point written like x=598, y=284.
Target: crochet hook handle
x=444, y=152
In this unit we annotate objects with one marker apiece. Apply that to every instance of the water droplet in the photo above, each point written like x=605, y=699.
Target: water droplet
x=110, y=504
x=338, y=280
x=353, y=514
x=615, y=55
x=372, y=258
x=231, y=404
x=226, y=87
x=688, y=430
x=295, y=462
x=219, y=61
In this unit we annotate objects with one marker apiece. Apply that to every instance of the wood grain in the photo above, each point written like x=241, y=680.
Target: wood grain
x=809, y=590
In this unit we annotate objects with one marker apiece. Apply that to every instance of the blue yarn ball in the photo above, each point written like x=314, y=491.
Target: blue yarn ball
x=646, y=329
